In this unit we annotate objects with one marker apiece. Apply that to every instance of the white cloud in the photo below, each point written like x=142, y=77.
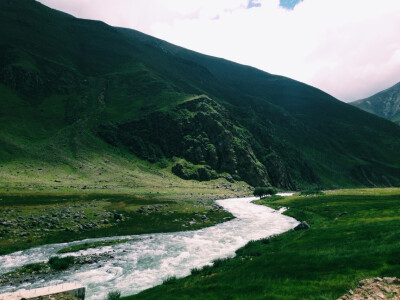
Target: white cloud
x=349, y=48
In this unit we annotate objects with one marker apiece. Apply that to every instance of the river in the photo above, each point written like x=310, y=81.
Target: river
x=144, y=263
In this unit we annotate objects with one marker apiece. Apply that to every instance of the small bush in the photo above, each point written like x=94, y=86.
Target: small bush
x=113, y=295
x=265, y=241
x=195, y=271
x=163, y=163
x=207, y=270
x=60, y=264
x=170, y=280
x=220, y=262
x=264, y=191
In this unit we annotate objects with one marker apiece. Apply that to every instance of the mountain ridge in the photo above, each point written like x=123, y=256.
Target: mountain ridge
x=385, y=104
x=81, y=80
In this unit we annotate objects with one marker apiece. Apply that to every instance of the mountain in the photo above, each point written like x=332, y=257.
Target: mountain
x=73, y=90
x=385, y=104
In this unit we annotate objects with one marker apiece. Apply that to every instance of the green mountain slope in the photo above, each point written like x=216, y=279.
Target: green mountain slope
x=75, y=89
x=385, y=104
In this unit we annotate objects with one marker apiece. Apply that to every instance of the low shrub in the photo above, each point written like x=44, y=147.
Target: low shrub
x=195, y=271
x=170, y=280
x=264, y=191
x=220, y=262
x=113, y=295
x=60, y=264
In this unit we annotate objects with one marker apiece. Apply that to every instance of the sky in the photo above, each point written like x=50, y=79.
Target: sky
x=347, y=48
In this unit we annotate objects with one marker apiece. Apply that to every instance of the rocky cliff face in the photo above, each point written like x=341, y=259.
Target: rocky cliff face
x=205, y=135
x=385, y=104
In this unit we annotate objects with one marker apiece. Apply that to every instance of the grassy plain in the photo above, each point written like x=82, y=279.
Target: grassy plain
x=51, y=209
x=31, y=220
x=354, y=234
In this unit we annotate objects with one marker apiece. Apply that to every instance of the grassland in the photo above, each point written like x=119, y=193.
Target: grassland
x=354, y=234
x=34, y=219
x=41, y=210
x=35, y=193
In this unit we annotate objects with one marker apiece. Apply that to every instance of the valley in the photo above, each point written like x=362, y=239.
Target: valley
x=353, y=235
x=143, y=261
x=128, y=164
x=347, y=228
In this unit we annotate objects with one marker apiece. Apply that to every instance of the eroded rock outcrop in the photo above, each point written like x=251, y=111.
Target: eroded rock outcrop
x=203, y=133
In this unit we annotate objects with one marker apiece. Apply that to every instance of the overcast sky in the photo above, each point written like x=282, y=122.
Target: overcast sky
x=348, y=48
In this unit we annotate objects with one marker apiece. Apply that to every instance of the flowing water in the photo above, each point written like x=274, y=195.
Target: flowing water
x=141, y=264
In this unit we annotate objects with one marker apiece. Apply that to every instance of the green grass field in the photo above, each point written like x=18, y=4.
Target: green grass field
x=97, y=184
x=35, y=217
x=354, y=234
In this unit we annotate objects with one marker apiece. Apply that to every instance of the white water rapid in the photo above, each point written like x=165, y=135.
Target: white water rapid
x=141, y=264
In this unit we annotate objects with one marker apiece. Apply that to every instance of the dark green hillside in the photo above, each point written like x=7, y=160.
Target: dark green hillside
x=385, y=104
x=73, y=91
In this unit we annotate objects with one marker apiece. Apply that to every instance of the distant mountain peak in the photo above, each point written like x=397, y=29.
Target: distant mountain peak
x=385, y=104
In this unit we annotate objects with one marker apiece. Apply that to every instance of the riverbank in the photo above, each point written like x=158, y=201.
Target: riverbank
x=354, y=235
x=148, y=260
x=31, y=218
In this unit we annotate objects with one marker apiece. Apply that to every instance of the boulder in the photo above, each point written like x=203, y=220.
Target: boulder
x=117, y=217
x=302, y=225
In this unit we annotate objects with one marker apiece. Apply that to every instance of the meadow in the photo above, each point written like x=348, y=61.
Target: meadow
x=32, y=216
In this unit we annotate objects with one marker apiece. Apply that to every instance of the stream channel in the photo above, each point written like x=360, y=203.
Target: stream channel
x=141, y=264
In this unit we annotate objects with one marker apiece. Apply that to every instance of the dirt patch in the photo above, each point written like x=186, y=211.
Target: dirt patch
x=375, y=289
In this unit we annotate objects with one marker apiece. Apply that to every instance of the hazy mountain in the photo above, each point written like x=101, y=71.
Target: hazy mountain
x=385, y=104
x=72, y=88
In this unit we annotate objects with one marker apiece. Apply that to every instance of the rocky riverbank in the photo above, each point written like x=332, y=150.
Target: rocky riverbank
x=73, y=218
x=61, y=296
x=36, y=272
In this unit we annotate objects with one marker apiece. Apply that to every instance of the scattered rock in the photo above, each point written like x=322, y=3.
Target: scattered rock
x=117, y=217
x=375, y=288
x=302, y=225
x=17, y=278
x=390, y=280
